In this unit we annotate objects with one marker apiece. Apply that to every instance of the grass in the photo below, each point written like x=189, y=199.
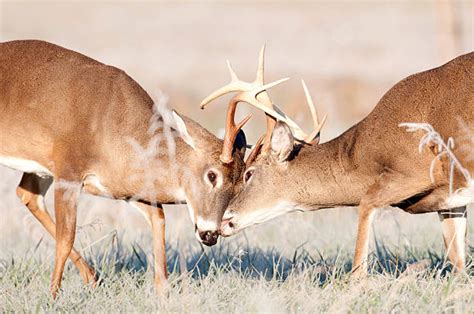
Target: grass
x=238, y=278
x=298, y=263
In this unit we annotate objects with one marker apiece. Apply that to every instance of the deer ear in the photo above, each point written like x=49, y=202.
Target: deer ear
x=282, y=141
x=240, y=144
x=183, y=131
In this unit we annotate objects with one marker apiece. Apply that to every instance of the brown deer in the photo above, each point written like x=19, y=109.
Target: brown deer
x=374, y=164
x=90, y=127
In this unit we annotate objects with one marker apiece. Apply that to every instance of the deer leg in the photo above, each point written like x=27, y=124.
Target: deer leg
x=359, y=265
x=390, y=188
x=31, y=191
x=156, y=218
x=453, y=223
x=65, y=197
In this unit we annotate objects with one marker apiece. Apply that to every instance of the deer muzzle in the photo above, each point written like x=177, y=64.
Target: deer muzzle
x=228, y=227
x=209, y=238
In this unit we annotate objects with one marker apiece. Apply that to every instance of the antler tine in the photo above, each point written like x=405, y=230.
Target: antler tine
x=277, y=114
x=233, y=76
x=255, y=150
x=317, y=126
x=231, y=131
x=265, y=99
x=263, y=88
x=231, y=87
x=310, y=102
x=310, y=139
x=235, y=85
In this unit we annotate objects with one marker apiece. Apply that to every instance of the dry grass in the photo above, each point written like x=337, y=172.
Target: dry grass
x=297, y=263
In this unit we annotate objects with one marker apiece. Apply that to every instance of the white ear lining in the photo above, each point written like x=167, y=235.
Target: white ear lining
x=282, y=142
x=183, y=131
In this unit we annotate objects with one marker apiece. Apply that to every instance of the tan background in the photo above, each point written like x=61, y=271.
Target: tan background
x=349, y=53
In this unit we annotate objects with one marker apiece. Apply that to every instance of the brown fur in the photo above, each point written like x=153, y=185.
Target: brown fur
x=375, y=163
x=76, y=117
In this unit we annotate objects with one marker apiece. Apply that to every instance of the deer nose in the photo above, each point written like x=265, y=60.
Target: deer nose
x=209, y=238
x=227, y=225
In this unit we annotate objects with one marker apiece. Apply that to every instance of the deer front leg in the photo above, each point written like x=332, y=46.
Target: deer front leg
x=156, y=218
x=390, y=188
x=31, y=191
x=454, y=223
x=65, y=198
x=359, y=265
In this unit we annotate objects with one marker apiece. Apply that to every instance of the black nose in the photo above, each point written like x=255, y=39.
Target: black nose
x=209, y=238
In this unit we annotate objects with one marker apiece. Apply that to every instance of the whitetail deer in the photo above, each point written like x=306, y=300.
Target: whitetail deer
x=90, y=127
x=374, y=164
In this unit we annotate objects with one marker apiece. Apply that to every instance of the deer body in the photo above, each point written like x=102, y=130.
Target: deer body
x=92, y=128
x=340, y=171
x=374, y=164
x=63, y=127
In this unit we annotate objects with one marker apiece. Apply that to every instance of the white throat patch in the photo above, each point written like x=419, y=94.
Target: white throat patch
x=265, y=214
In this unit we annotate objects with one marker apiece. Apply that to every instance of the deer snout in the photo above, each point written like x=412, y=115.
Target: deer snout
x=207, y=231
x=227, y=224
x=209, y=238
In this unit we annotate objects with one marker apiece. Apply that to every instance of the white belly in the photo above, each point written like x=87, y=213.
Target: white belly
x=25, y=165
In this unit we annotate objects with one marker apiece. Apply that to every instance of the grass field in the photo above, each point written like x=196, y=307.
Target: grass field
x=297, y=263
x=349, y=53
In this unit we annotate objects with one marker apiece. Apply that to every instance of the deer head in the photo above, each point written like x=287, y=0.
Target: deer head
x=269, y=167
x=207, y=183
x=217, y=175
x=268, y=183
x=268, y=161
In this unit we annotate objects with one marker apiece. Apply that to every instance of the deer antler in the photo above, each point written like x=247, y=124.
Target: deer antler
x=255, y=151
x=253, y=93
x=298, y=133
x=310, y=139
x=317, y=126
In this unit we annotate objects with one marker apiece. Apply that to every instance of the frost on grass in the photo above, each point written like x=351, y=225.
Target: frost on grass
x=259, y=281
x=274, y=267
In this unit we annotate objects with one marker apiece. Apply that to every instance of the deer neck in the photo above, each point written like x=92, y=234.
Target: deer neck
x=333, y=173
x=175, y=173
x=155, y=159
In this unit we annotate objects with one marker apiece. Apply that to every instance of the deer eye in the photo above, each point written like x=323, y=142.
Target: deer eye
x=248, y=174
x=212, y=176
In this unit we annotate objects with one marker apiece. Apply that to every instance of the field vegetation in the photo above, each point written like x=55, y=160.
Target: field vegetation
x=297, y=263
x=349, y=53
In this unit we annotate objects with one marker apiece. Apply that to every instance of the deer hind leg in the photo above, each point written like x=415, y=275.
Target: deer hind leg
x=390, y=188
x=454, y=223
x=156, y=218
x=31, y=191
x=66, y=195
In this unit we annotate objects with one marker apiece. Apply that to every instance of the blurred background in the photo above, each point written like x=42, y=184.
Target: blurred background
x=349, y=53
